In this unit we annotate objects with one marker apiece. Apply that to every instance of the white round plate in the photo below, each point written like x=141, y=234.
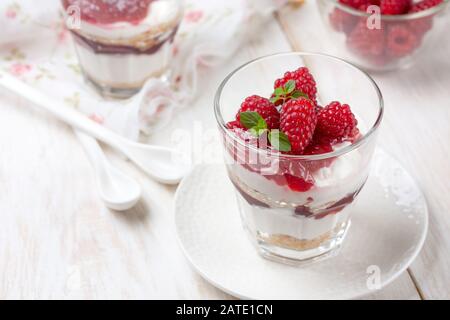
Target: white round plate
x=389, y=226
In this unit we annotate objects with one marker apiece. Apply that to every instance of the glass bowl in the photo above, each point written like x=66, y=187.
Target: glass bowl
x=305, y=221
x=395, y=42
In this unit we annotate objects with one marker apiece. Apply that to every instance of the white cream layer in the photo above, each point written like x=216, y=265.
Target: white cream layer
x=124, y=70
x=278, y=221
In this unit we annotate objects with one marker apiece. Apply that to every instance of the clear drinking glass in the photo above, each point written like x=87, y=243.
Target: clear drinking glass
x=307, y=222
x=397, y=42
x=121, y=44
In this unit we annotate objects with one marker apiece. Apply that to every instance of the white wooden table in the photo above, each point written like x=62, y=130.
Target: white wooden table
x=57, y=240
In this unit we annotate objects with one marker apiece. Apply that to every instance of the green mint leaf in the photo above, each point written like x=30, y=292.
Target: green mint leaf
x=257, y=132
x=261, y=125
x=279, y=91
x=279, y=141
x=252, y=119
x=274, y=99
x=297, y=94
x=289, y=86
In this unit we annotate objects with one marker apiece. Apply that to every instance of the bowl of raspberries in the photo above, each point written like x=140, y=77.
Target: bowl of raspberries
x=383, y=35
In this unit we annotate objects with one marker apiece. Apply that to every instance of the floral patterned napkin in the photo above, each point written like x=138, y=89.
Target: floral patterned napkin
x=36, y=47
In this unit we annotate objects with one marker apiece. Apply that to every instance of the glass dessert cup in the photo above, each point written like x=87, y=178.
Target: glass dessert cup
x=396, y=43
x=122, y=44
x=297, y=208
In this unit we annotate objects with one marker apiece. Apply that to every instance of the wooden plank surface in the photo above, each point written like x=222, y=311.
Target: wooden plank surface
x=57, y=240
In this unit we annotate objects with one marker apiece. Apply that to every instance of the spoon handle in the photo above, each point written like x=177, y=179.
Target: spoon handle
x=67, y=115
x=158, y=162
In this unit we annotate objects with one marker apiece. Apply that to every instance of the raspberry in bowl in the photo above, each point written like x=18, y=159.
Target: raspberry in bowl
x=299, y=132
x=122, y=43
x=382, y=35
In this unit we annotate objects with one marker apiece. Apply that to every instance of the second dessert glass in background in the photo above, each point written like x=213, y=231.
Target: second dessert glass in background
x=121, y=44
x=297, y=208
x=397, y=42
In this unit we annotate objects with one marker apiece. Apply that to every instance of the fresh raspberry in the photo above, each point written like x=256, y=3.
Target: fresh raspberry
x=318, y=108
x=425, y=5
x=364, y=7
x=355, y=135
x=234, y=125
x=298, y=184
x=264, y=107
x=361, y=5
x=395, y=7
x=401, y=41
x=367, y=43
x=318, y=145
x=304, y=82
x=298, y=122
x=356, y=4
x=336, y=122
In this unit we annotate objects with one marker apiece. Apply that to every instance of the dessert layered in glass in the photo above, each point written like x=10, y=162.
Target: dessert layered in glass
x=122, y=43
x=298, y=165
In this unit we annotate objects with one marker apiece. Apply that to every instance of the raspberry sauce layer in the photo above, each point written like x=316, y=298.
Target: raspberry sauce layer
x=101, y=48
x=111, y=11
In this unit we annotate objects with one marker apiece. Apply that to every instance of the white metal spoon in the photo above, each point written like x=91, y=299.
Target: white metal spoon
x=163, y=164
x=119, y=191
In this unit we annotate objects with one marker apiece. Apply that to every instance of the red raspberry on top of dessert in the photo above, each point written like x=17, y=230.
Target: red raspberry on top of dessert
x=304, y=82
x=296, y=127
x=298, y=122
x=265, y=109
x=336, y=122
